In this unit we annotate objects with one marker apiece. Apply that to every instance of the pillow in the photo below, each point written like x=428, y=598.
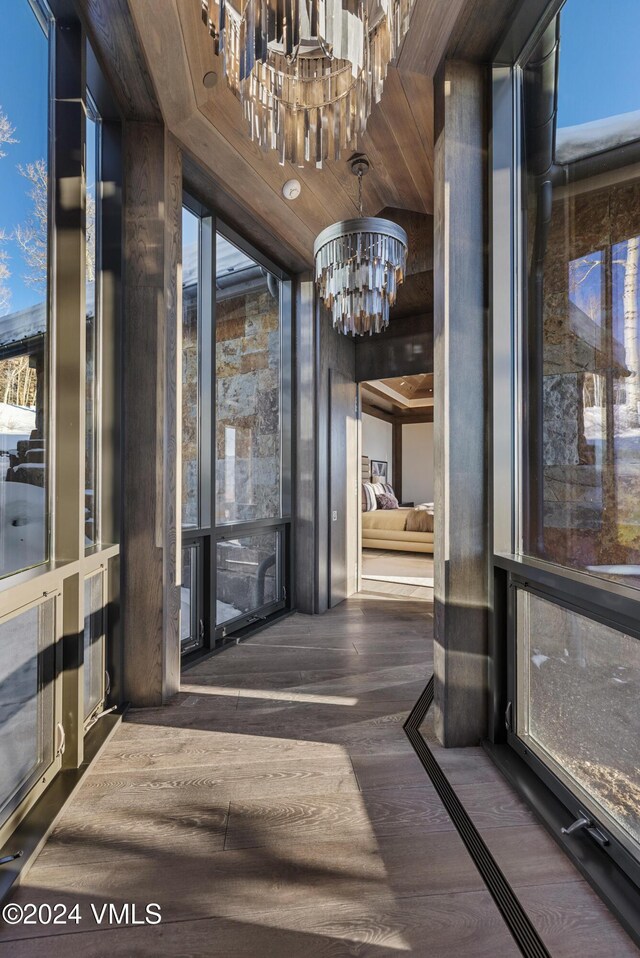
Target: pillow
x=369, y=503
x=386, y=501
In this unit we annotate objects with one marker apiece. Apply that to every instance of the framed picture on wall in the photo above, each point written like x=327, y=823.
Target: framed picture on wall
x=379, y=469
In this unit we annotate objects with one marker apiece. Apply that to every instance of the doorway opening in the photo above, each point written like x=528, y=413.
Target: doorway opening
x=396, y=478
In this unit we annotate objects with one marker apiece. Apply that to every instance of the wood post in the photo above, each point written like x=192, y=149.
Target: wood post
x=152, y=411
x=461, y=450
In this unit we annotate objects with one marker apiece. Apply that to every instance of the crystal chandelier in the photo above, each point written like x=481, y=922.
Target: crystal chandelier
x=307, y=71
x=359, y=265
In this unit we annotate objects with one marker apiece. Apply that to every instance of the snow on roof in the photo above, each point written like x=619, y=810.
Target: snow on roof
x=229, y=259
x=586, y=139
x=25, y=324
x=28, y=323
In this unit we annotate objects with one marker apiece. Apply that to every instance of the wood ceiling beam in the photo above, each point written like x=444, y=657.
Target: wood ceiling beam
x=114, y=39
x=427, y=40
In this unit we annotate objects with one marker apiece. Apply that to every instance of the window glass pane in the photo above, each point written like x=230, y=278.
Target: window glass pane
x=578, y=693
x=190, y=369
x=582, y=194
x=92, y=423
x=94, y=643
x=26, y=699
x=246, y=574
x=248, y=441
x=24, y=259
x=190, y=636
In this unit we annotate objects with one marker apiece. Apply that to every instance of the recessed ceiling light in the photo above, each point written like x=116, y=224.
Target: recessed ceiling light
x=291, y=190
x=210, y=79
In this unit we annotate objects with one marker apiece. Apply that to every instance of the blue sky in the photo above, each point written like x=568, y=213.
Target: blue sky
x=599, y=61
x=24, y=99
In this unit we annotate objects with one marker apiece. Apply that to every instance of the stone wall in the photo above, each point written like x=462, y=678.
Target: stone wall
x=248, y=406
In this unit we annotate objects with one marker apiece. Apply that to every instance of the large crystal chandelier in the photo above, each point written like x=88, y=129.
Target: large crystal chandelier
x=307, y=71
x=359, y=265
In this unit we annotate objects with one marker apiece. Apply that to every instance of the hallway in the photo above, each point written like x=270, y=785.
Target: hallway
x=277, y=809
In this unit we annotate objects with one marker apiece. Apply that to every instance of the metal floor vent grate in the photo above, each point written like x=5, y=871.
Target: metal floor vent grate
x=516, y=918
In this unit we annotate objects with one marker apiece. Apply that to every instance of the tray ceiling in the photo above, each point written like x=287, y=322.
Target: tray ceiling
x=210, y=125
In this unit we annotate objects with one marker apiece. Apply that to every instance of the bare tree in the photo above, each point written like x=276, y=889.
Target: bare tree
x=6, y=131
x=5, y=276
x=18, y=382
x=6, y=136
x=32, y=235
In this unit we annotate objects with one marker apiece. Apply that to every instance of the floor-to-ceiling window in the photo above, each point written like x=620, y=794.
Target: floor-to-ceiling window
x=574, y=639
x=58, y=558
x=236, y=432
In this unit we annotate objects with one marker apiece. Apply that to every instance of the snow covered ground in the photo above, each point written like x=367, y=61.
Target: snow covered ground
x=224, y=613
x=23, y=529
x=16, y=423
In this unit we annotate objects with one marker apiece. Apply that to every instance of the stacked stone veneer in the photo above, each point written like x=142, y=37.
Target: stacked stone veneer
x=586, y=512
x=248, y=402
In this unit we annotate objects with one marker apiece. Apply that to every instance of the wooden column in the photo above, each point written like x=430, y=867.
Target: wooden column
x=151, y=402
x=461, y=450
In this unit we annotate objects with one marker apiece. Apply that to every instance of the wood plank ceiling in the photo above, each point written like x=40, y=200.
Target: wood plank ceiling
x=209, y=124
x=401, y=395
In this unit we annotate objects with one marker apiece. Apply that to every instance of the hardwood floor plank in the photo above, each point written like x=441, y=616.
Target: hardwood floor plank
x=384, y=812
x=572, y=920
x=223, y=782
x=529, y=856
x=310, y=875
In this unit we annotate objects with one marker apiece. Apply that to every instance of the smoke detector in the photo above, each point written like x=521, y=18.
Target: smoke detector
x=291, y=189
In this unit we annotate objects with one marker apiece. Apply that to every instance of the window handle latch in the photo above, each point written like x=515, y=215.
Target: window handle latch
x=10, y=858
x=577, y=826
x=508, y=717
x=584, y=822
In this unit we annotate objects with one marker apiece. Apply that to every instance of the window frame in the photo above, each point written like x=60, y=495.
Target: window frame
x=217, y=637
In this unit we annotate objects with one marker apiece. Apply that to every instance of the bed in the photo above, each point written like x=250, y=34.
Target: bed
x=400, y=529
x=387, y=529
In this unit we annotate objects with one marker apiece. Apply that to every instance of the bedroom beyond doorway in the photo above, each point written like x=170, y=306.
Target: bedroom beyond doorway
x=396, y=473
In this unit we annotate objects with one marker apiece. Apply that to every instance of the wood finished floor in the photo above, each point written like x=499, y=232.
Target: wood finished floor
x=277, y=810
x=405, y=574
